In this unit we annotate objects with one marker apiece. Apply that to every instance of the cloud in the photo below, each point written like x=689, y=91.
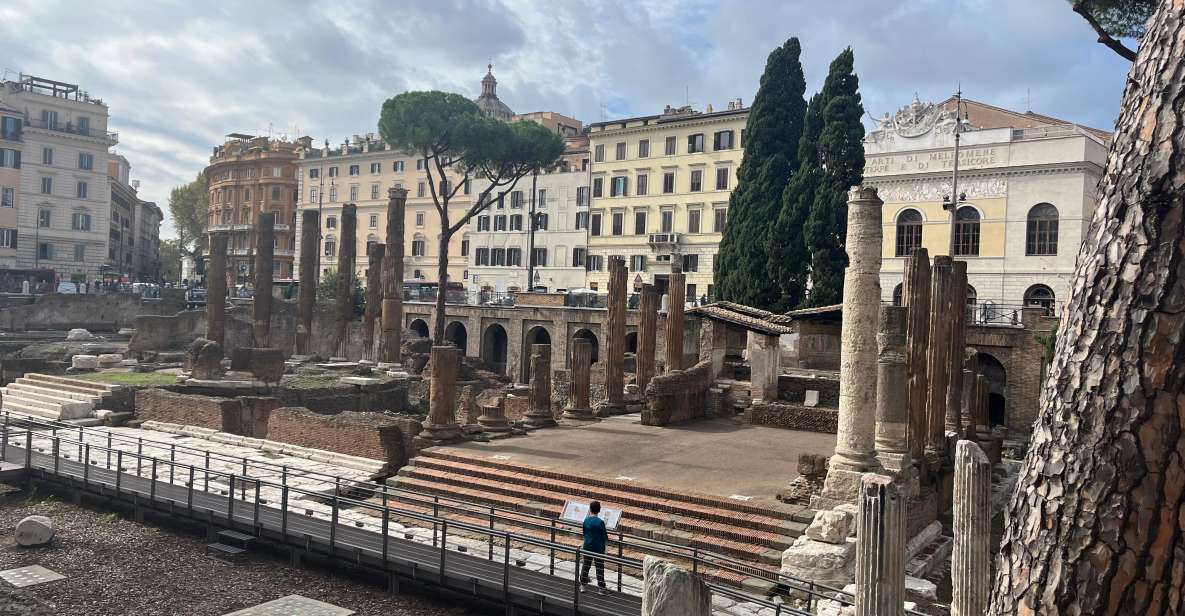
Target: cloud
x=178, y=76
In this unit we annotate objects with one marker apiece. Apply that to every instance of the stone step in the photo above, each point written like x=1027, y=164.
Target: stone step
x=567, y=487
x=65, y=409
x=81, y=384
x=739, y=508
x=225, y=552
x=737, y=549
x=47, y=397
x=35, y=411
x=75, y=385
x=556, y=493
x=37, y=387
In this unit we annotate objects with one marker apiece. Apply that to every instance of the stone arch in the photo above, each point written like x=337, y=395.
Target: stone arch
x=420, y=327
x=455, y=333
x=897, y=291
x=997, y=378
x=537, y=334
x=631, y=342
x=587, y=334
x=494, y=344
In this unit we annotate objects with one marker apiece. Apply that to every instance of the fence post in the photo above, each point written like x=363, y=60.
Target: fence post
x=86, y=467
x=491, y=532
x=206, y=473
x=29, y=448
x=333, y=526
x=4, y=438
x=255, y=522
x=152, y=483
x=551, y=548
x=284, y=513
x=108, y=463
x=506, y=572
x=118, y=470
x=576, y=584
x=386, y=534
x=620, y=541
x=189, y=493
x=172, y=460
x=443, y=550
x=139, y=454
x=57, y=444
x=230, y=503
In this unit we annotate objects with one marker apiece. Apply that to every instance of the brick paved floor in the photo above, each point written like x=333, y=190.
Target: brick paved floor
x=719, y=457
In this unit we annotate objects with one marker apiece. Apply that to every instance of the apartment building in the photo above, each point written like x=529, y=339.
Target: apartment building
x=249, y=175
x=659, y=187
x=133, y=251
x=11, y=147
x=1027, y=191
x=360, y=171
x=62, y=203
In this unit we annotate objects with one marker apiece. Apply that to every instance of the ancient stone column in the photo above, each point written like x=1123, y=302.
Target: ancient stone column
x=310, y=273
x=441, y=424
x=578, y=393
x=982, y=421
x=970, y=565
x=958, y=320
x=374, y=298
x=858, y=348
x=539, y=408
x=970, y=397
x=469, y=411
x=892, y=403
x=677, y=294
x=346, y=252
x=938, y=357
x=389, y=352
x=880, y=548
x=216, y=289
x=615, y=340
x=647, y=336
x=493, y=417
x=265, y=233
x=916, y=294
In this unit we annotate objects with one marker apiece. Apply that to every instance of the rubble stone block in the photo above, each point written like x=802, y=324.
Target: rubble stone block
x=34, y=530
x=79, y=334
x=830, y=526
x=669, y=590
x=84, y=362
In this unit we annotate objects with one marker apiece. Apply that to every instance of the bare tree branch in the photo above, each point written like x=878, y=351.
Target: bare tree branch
x=1104, y=38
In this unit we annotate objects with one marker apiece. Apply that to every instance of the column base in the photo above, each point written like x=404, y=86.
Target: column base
x=842, y=486
x=606, y=409
x=581, y=414
x=542, y=420
x=494, y=424
x=441, y=433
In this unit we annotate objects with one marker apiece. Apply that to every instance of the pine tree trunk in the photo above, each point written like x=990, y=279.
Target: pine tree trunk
x=442, y=276
x=1097, y=522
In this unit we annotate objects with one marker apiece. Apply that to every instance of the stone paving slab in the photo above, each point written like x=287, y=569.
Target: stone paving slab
x=293, y=605
x=29, y=576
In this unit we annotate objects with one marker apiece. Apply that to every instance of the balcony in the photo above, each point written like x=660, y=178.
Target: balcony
x=108, y=137
x=232, y=227
x=663, y=240
x=283, y=252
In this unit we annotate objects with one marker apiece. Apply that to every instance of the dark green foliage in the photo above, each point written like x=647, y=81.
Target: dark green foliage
x=840, y=158
x=327, y=292
x=772, y=133
x=789, y=259
x=1122, y=18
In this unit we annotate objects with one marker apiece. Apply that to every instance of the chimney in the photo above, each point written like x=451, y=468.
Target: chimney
x=708, y=109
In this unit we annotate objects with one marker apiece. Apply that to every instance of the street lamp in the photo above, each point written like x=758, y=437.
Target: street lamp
x=954, y=183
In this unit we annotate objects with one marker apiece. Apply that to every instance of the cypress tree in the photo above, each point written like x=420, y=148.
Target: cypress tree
x=772, y=132
x=841, y=159
x=789, y=261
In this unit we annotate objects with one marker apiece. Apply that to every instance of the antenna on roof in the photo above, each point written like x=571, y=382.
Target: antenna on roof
x=1028, y=101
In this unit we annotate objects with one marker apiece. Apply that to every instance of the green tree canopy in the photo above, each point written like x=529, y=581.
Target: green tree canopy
x=170, y=260
x=772, y=133
x=454, y=137
x=189, y=206
x=840, y=158
x=1116, y=19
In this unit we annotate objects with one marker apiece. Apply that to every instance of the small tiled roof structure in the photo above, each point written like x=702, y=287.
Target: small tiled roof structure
x=747, y=317
x=818, y=313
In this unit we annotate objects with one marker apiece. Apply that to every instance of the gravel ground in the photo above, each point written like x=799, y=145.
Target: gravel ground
x=115, y=566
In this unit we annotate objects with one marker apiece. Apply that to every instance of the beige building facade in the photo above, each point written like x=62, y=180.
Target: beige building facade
x=361, y=171
x=62, y=204
x=11, y=150
x=659, y=188
x=1028, y=187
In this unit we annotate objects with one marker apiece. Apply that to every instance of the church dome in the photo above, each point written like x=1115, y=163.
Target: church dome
x=488, y=102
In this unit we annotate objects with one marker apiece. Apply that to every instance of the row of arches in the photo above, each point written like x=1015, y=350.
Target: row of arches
x=1041, y=230
x=495, y=342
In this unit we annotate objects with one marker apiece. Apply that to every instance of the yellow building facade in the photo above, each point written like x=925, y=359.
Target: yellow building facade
x=660, y=187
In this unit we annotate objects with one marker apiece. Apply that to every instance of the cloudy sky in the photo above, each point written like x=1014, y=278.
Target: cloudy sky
x=178, y=76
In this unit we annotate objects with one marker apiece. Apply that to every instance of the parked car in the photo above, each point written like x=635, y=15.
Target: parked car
x=68, y=288
x=195, y=298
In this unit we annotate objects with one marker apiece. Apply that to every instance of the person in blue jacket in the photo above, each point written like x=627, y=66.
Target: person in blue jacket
x=595, y=537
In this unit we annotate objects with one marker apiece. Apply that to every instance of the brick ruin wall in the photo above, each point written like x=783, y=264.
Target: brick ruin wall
x=366, y=434
x=102, y=313
x=678, y=396
x=363, y=434
x=793, y=388
x=793, y=417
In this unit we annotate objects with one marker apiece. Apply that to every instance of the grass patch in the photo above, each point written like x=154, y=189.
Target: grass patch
x=131, y=379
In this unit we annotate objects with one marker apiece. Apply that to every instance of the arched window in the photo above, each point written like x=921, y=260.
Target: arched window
x=1041, y=295
x=967, y=231
x=1041, y=234
x=909, y=232
x=972, y=295
x=330, y=246
x=897, y=290
x=418, y=246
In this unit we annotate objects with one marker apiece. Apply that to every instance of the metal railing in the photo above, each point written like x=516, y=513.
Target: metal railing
x=69, y=127
x=556, y=530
